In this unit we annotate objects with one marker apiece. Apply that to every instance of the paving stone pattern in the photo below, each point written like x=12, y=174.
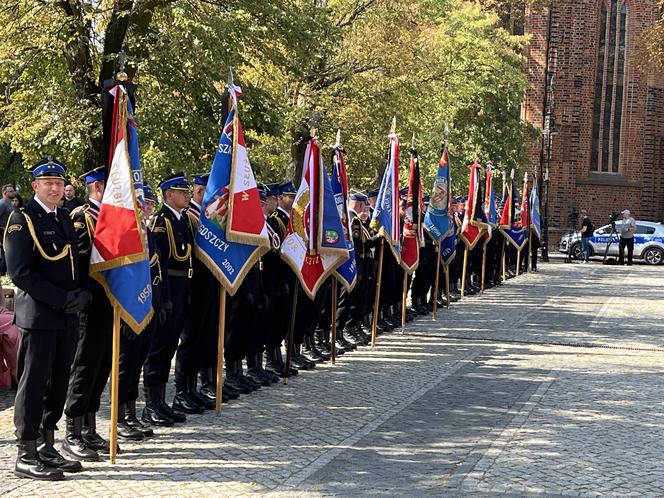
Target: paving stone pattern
x=548, y=386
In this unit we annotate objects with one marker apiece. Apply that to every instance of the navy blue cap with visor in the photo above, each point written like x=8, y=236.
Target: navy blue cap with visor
x=201, y=179
x=49, y=168
x=97, y=174
x=176, y=181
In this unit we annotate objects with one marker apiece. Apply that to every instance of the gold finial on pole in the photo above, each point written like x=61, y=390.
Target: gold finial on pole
x=121, y=75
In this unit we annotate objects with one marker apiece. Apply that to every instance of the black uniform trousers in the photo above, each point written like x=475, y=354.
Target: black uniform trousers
x=201, y=345
x=92, y=364
x=425, y=273
x=534, y=247
x=243, y=335
x=133, y=352
x=43, y=367
x=166, y=337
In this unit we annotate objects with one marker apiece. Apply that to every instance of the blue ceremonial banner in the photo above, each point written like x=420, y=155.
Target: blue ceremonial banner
x=119, y=259
x=517, y=236
x=231, y=234
x=347, y=272
x=448, y=247
x=535, y=217
x=385, y=218
x=437, y=219
x=490, y=196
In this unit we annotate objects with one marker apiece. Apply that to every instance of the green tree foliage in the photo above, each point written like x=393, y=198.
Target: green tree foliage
x=652, y=50
x=351, y=63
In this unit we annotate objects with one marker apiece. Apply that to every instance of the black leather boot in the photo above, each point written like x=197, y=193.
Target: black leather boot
x=299, y=361
x=126, y=431
x=347, y=345
x=184, y=401
x=28, y=464
x=208, y=382
x=208, y=388
x=73, y=444
x=271, y=363
x=177, y=416
x=280, y=359
x=254, y=386
x=272, y=378
x=308, y=350
x=203, y=401
x=132, y=420
x=254, y=371
x=153, y=413
x=90, y=436
x=52, y=458
x=233, y=380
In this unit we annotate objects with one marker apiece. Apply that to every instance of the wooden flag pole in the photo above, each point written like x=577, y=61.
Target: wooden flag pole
x=220, y=348
x=333, y=339
x=530, y=249
x=483, y=267
x=115, y=384
x=504, y=262
x=403, y=300
x=435, y=282
x=291, y=330
x=374, y=324
x=447, y=286
x=463, y=274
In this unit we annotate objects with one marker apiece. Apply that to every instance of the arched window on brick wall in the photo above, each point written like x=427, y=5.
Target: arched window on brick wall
x=609, y=85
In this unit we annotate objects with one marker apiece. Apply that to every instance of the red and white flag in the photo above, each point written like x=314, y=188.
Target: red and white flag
x=315, y=245
x=413, y=237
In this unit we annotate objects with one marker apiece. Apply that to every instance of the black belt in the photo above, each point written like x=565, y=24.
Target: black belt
x=181, y=273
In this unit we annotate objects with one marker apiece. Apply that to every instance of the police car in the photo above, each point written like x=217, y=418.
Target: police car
x=648, y=242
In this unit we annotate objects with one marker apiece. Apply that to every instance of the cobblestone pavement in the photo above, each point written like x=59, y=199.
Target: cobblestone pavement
x=548, y=386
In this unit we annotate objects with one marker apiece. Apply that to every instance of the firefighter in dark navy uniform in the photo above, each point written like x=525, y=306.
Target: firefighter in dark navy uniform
x=173, y=235
x=42, y=261
x=134, y=347
x=278, y=222
x=198, y=352
x=92, y=363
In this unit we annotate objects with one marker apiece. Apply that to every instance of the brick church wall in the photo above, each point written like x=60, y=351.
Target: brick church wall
x=572, y=56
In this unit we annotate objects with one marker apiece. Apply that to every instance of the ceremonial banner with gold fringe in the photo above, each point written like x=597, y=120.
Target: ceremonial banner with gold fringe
x=315, y=245
x=119, y=258
x=232, y=234
x=347, y=271
x=412, y=238
x=474, y=220
x=514, y=233
x=385, y=219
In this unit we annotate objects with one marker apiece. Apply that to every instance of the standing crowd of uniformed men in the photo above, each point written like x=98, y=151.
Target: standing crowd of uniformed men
x=66, y=319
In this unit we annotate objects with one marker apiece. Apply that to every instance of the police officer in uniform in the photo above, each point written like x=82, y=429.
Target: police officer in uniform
x=173, y=236
x=92, y=364
x=42, y=261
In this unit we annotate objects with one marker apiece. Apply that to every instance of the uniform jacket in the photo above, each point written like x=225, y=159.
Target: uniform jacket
x=42, y=261
x=174, y=240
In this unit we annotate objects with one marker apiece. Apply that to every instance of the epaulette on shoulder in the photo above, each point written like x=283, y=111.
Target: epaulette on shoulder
x=79, y=210
x=162, y=220
x=15, y=227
